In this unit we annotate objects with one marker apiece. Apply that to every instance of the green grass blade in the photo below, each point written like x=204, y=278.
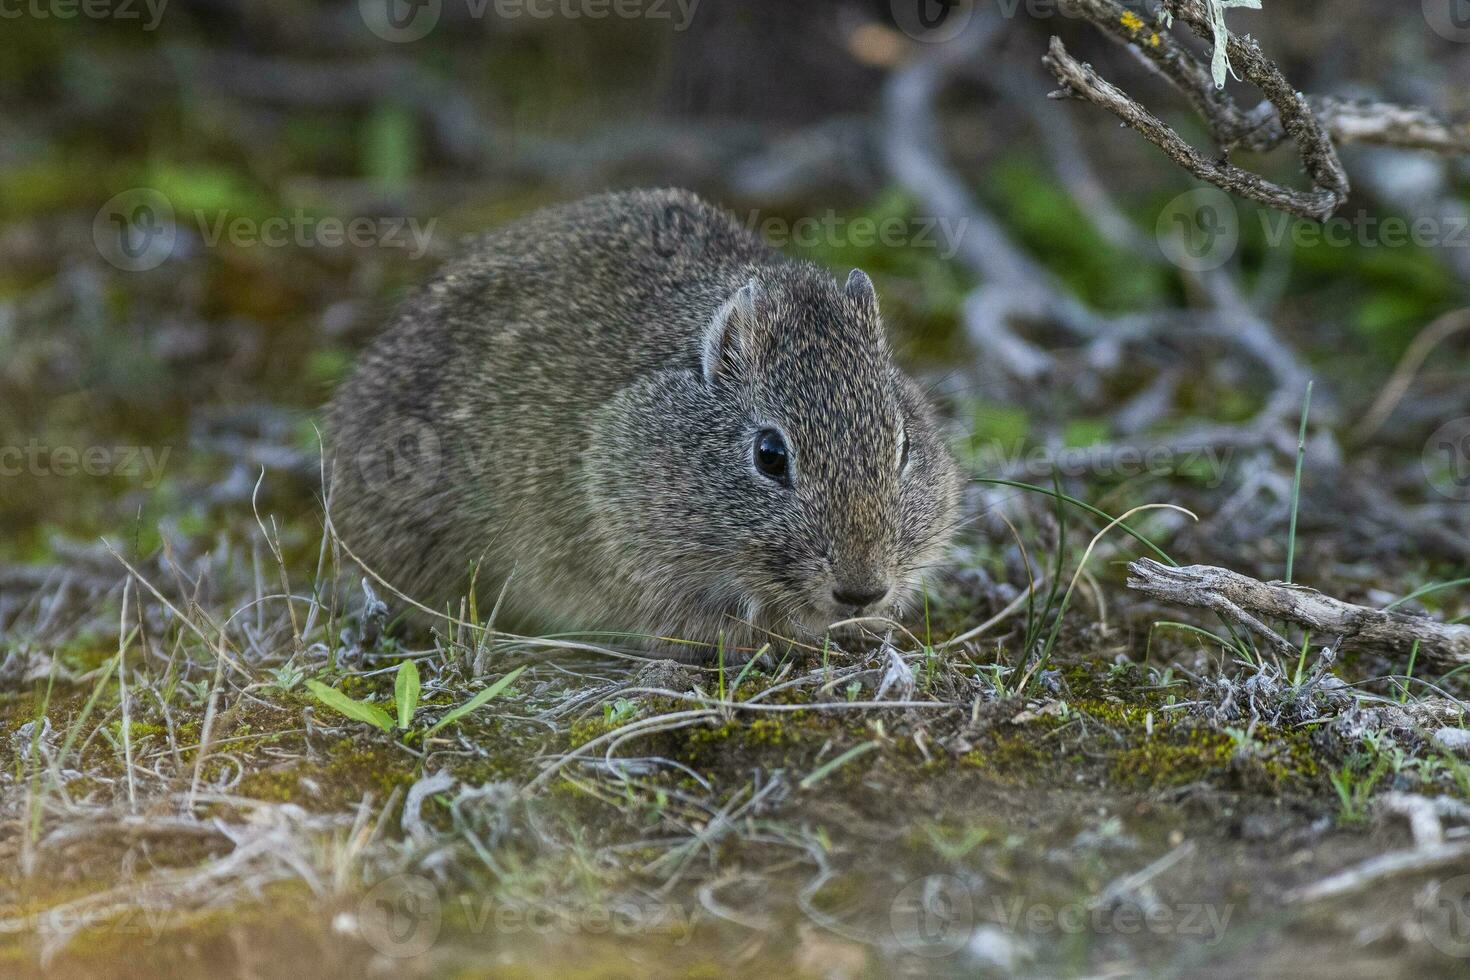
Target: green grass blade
x=1296, y=482
x=406, y=692
x=343, y=705
x=103, y=675
x=479, y=699
x=1084, y=505
x=1056, y=628
x=746, y=669
x=1056, y=575
x=1094, y=511
x=827, y=768
x=720, y=659
x=1428, y=589
x=1409, y=673
x=1205, y=634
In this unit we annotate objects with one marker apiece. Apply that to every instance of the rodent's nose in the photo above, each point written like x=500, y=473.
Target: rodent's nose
x=859, y=598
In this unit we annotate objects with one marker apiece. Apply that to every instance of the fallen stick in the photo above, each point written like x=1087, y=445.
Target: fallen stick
x=1248, y=602
x=1362, y=876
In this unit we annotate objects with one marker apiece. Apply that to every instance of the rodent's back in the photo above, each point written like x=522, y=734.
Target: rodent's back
x=459, y=436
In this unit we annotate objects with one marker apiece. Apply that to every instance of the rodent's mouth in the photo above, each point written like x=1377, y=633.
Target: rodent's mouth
x=807, y=614
x=819, y=620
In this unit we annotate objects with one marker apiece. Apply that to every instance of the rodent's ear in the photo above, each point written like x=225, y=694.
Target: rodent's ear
x=860, y=290
x=729, y=338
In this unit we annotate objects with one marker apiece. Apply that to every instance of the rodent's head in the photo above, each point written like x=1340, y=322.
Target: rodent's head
x=794, y=477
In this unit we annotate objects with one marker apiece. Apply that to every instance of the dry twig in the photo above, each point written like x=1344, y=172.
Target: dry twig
x=1190, y=76
x=1247, y=601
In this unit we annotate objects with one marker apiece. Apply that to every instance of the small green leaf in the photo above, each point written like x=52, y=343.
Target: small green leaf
x=474, y=702
x=406, y=693
x=827, y=768
x=390, y=146
x=343, y=705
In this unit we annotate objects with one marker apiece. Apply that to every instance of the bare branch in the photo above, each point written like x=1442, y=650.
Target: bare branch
x=1388, y=124
x=1081, y=81
x=1378, y=869
x=1260, y=129
x=1318, y=154
x=1244, y=599
x=1286, y=108
x=1175, y=63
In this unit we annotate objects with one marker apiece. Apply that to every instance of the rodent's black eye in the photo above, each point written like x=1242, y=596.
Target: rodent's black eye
x=771, y=457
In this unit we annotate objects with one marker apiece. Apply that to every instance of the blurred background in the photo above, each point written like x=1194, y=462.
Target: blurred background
x=207, y=207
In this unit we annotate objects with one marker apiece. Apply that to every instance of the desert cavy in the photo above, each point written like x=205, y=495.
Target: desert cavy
x=653, y=424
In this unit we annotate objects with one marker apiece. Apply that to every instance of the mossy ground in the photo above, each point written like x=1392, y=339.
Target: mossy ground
x=764, y=847
x=1103, y=768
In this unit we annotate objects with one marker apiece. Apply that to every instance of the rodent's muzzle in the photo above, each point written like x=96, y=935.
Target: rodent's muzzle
x=860, y=598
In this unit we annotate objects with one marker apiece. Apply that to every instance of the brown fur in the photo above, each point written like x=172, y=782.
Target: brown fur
x=573, y=404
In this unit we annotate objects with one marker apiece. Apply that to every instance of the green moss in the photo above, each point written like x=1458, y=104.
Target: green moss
x=1269, y=760
x=19, y=707
x=1012, y=757
x=1132, y=741
x=762, y=731
x=353, y=769
x=1160, y=762
x=587, y=730
x=137, y=730
x=280, y=785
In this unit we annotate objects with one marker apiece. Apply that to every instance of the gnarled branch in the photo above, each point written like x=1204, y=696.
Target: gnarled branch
x=1247, y=601
x=1227, y=122
x=1079, y=80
